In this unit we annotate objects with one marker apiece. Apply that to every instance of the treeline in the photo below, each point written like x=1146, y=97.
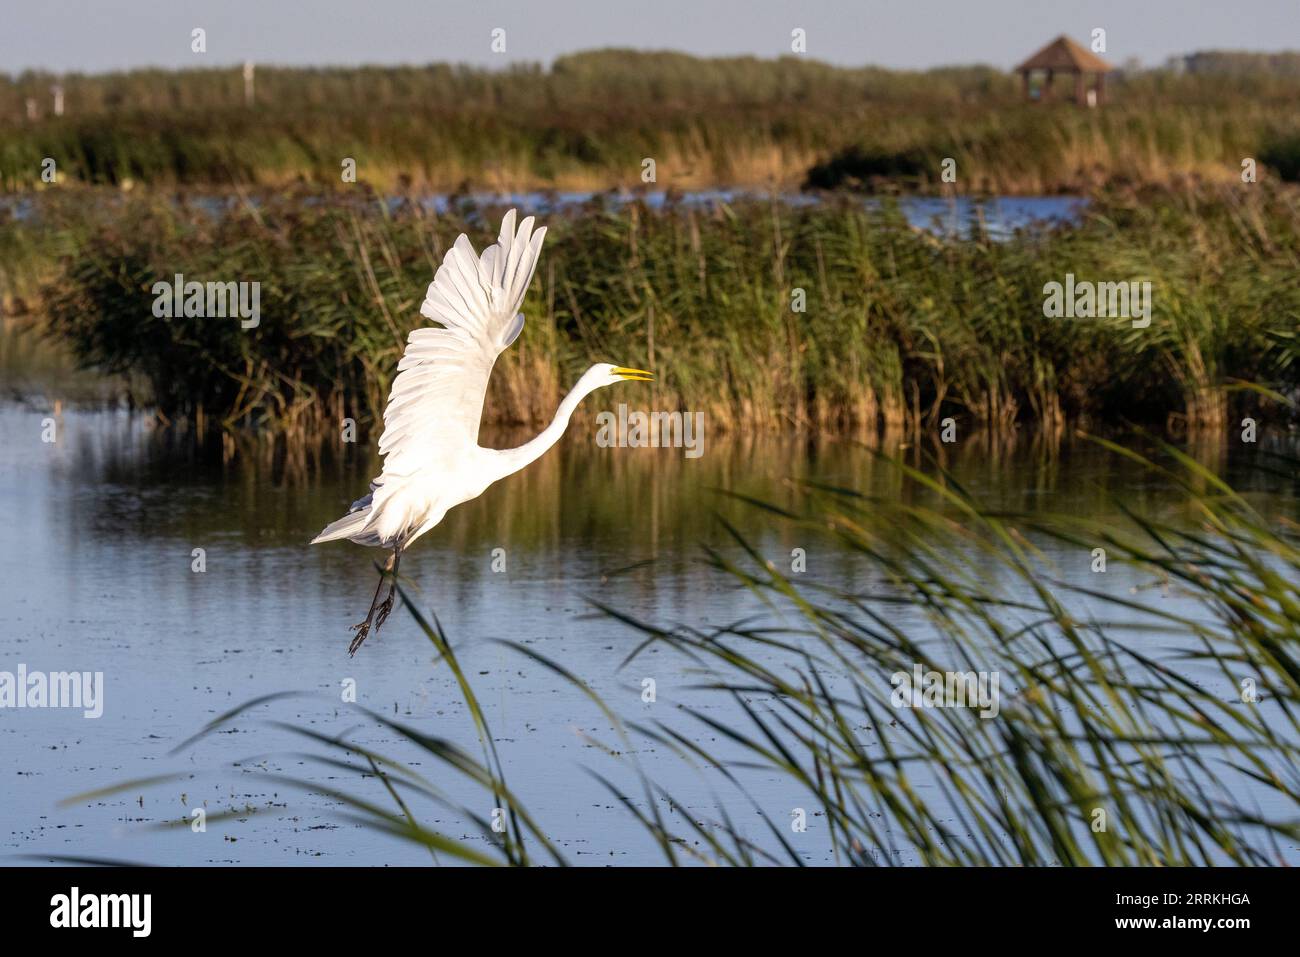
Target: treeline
x=584, y=81
x=1237, y=63
x=590, y=120
x=608, y=78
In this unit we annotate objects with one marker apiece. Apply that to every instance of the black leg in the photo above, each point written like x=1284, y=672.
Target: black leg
x=363, y=629
x=387, y=606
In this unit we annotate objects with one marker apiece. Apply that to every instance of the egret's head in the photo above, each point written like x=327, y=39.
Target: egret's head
x=603, y=374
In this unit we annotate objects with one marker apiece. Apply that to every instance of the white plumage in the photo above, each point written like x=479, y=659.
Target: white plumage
x=432, y=459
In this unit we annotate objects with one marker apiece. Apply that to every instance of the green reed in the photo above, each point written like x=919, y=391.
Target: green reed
x=1104, y=752
x=900, y=329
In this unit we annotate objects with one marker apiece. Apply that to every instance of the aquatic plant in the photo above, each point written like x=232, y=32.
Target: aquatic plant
x=835, y=317
x=1099, y=748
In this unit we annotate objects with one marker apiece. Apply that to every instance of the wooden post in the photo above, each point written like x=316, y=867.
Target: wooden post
x=1080, y=86
x=1101, y=88
x=1047, y=86
x=1024, y=82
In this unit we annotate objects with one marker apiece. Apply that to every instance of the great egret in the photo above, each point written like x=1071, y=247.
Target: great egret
x=432, y=459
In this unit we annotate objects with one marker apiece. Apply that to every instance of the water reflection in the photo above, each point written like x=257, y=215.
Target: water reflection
x=581, y=515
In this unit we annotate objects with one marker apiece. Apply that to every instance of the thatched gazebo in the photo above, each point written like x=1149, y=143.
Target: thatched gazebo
x=1063, y=55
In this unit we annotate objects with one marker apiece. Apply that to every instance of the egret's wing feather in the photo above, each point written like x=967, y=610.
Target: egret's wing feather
x=436, y=402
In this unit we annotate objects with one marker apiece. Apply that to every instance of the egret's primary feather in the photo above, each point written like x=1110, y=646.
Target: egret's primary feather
x=437, y=399
x=431, y=422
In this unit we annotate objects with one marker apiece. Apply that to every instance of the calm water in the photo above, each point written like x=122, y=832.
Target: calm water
x=999, y=217
x=95, y=575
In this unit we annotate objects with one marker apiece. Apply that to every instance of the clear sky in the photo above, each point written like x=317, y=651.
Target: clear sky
x=98, y=35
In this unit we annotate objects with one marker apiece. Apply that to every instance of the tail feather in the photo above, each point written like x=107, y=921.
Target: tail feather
x=346, y=527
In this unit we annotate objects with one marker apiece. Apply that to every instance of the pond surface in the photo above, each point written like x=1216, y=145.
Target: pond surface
x=97, y=574
x=961, y=216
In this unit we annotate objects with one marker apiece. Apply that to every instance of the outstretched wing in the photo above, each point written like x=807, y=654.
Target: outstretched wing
x=437, y=400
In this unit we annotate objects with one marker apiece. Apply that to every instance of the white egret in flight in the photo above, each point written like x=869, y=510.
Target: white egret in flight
x=432, y=459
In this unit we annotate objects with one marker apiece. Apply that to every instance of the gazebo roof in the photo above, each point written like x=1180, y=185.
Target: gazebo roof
x=1063, y=55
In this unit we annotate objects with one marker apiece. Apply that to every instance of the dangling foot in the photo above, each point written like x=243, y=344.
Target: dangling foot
x=381, y=614
x=362, y=630
x=394, y=563
x=378, y=613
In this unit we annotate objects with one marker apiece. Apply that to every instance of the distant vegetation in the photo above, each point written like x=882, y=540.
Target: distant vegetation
x=590, y=120
x=900, y=330
x=1242, y=63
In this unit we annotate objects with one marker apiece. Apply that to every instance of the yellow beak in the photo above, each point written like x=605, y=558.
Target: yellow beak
x=635, y=375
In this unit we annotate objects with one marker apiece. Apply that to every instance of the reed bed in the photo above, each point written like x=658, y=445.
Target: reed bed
x=1141, y=734
x=589, y=120
x=902, y=328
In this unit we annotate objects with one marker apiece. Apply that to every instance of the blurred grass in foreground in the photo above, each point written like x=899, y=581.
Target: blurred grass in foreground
x=1094, y=719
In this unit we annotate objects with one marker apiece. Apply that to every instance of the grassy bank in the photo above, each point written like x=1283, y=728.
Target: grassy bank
x=900, y=329
x=588, y=122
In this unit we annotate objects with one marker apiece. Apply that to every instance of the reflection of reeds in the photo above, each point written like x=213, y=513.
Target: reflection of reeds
x=900, y=330
x=1105, y=750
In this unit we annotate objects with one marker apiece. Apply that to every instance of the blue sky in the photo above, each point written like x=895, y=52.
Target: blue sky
x=98, y=35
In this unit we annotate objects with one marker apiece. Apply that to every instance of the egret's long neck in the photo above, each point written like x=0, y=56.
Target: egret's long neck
x=530, y=452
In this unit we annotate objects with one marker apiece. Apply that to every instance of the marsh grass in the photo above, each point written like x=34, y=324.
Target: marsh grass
x=902, y=328
x=589, y=120
x=1095, y=716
